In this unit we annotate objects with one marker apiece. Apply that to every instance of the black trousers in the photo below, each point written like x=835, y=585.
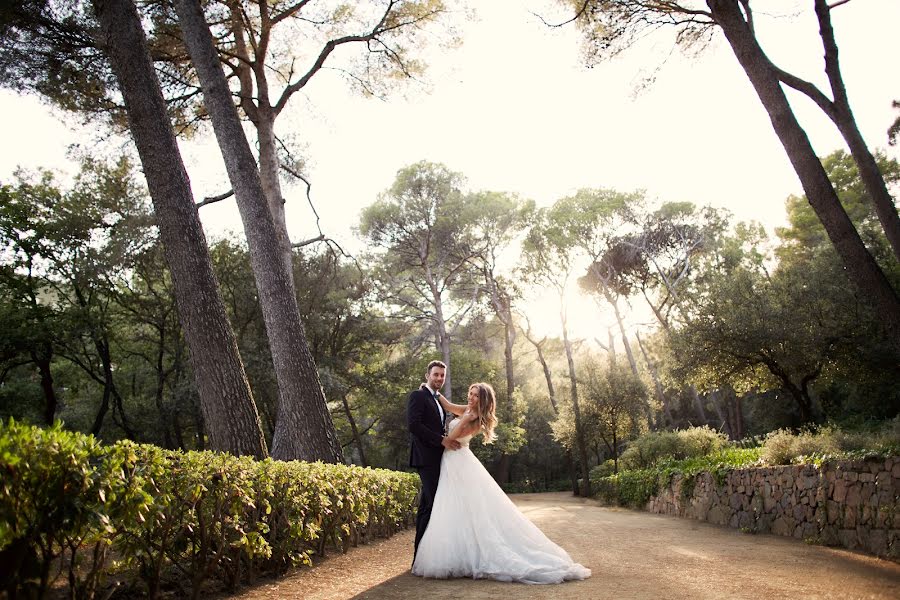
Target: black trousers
x=429, y=476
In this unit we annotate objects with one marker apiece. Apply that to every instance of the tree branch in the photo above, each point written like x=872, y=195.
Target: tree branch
x=289, y=12
x=213, y=199
x=318, y=238
x=832, y=65
x=577, y=16
x=806, y=88
x=323, y=56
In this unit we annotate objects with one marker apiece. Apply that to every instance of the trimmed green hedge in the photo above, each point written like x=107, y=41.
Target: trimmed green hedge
x=71, y=506
x=634, y=487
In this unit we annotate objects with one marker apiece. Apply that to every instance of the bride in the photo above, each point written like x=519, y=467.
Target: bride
x=475, y=530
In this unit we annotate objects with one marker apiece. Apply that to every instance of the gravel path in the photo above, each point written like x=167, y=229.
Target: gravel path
x=632, y=554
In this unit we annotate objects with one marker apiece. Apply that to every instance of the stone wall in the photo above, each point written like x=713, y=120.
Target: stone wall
x=853, y=504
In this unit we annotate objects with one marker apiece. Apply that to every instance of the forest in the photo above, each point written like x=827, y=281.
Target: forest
x=122, y=320
x=707, y=321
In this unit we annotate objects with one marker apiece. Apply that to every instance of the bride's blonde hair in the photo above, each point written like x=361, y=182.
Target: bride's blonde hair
x=487, y=408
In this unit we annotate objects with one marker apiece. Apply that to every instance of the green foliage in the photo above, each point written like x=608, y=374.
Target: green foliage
x=206, y=515
x=634, y=487
x=805, y=237
x=655, y=446
x=612, y=407
x=784, y=447
x=604, y=469
x=536, y=486
x=627, y=488
x=63, y=493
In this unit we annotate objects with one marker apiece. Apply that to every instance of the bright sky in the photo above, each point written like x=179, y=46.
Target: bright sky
x=513, y=109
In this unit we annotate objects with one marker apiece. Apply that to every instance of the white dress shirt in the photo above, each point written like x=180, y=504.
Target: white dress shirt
x=438, y=402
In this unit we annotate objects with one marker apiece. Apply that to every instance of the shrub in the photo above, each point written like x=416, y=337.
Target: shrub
x=628, y=488
x=635, y=487
x=602, y=470
x=206, y=515
x=655, y=446
x=783, y=447
x=778, y=448
x=61, y=493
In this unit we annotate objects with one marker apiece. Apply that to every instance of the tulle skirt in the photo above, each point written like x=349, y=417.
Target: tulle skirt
x=476, y=531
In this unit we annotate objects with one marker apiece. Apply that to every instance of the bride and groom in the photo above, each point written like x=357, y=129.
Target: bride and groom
x=465, y=525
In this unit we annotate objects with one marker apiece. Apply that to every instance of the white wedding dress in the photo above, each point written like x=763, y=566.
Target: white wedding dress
x=476, y=531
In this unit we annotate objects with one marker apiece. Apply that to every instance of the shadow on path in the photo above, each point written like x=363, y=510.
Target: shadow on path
x=633, y=555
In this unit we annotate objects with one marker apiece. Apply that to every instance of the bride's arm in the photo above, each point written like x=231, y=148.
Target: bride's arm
x=456, y=409
x=469, y=425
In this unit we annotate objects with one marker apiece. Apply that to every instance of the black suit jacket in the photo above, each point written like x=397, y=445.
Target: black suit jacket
x=426, y=429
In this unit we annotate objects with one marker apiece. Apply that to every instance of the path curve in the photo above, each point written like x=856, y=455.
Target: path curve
x=633, y=555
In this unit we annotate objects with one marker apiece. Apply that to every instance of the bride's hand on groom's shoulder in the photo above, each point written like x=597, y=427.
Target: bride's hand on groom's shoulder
x=423, y=386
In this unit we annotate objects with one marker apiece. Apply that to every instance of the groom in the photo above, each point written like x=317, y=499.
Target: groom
x=425, y=419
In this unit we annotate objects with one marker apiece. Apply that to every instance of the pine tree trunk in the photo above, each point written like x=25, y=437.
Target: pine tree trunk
x=698, y=404
x=227, y=406
x=612, y=348
x=503, y=465
x=723, y=420
x=573, y=473
x=441, y=334
x=739, y=416
x=873, y=181
x=510, y=329
x=445, y=355
x=268, y=170
x=579, y=429
x=42, y=358
x=354, y=430
x=546, y=368
x=159, y=394
x=654, y=374
x=843, y=117
x=858, y=262
x=304, y=429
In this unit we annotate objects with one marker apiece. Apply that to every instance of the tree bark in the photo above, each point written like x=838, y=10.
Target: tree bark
x=508, y=357
x=269, y=167
x=698, y=404
x=573, y=474
x=539, y=346
x=440, y=325
x=354, y=430
x=655, y=375
x=842, y=115
x=502, y=308
x=159, y=395
x=101, y=412
x=739, y=416
x=615, y=305
x=859, y=263
x=503, y=465
x=612, y=347
x=579, y=429
x=872, y=179
x=304, y=429
x=225, y=398
x=723, y=420
x=42, y=358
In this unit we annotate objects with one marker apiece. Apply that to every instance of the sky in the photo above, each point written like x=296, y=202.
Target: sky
x=514, y=109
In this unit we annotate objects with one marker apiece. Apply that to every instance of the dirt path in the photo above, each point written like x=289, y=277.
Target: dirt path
x=633, y=555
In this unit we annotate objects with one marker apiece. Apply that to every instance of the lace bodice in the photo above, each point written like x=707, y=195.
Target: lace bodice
x=464, y=440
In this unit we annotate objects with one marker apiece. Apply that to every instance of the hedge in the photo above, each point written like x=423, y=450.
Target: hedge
x=85, y=516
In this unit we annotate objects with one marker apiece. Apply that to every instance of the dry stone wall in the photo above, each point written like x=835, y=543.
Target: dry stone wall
x=853, y=504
